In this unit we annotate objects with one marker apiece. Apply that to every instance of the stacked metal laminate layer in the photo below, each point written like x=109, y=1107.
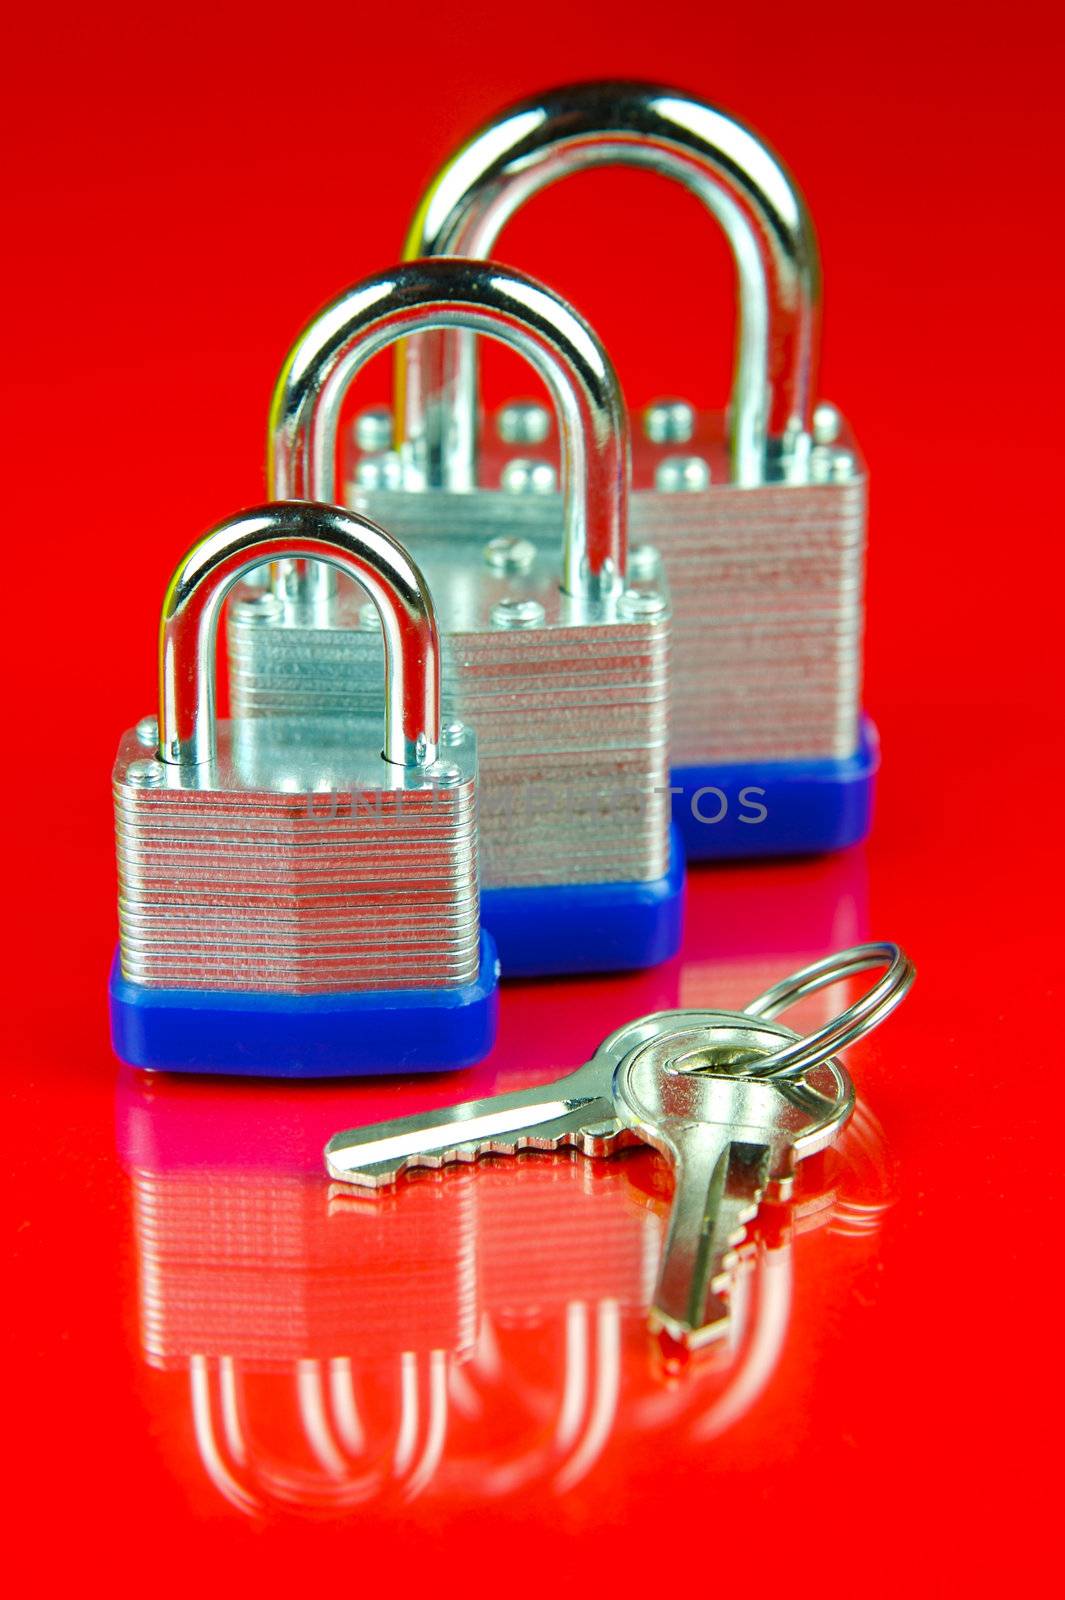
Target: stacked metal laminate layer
x=568, y=697
x=297, y=861
x=767, y=584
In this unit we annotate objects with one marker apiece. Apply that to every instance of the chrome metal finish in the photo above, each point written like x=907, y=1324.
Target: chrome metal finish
x=568, y=691
x=732, y=1099
x=296, y=531
x=144, y=774
x=279, y=854
x=517, y=614
x=645, y=562
x=735, y=175
x=380, y=471
x=528, y=477
x=148, y=732
x=524, y=422
x=767, y=590
x=506, y=554
x=571, y=714
x=669, y=421
x=764, y=543
x=484, y=299
x=727, y=1135
x=852, y=1024
x=827, y=423
x=682, y=475
x=373, y=429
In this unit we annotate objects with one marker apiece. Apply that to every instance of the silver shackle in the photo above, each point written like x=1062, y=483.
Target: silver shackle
x=726, y=166
x=476, y=297
x=301, y=532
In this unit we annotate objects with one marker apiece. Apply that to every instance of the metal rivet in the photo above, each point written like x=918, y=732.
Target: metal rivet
x=827, y=423
x=517, y=614
x=528, y=477
x=844, y=466
x=524, y=422
x=452, y=733
x=645, y=560
x=145, y=774
x=669, y=421
x=682, y=475
x=444, y=775
x=641, y=603
x=258, y=609
x=373, y=428
x=378, y=471
x=148, y=732
x=508, y=554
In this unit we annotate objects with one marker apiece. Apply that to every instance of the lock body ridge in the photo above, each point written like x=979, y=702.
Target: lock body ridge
x=759, y=515
x=551, y=650
x=296, y=896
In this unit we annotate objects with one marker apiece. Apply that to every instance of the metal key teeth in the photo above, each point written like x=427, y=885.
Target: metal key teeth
x=705, y=1318
x=571, y=1129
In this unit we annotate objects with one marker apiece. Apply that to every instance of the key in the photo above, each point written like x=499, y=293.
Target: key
x=577, y=1110
x=728, y=1136
x=679, y=1081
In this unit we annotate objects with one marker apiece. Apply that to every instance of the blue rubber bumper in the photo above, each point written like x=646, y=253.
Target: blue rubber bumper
x=588, y=927
x=306, y=1036
x=776, y=808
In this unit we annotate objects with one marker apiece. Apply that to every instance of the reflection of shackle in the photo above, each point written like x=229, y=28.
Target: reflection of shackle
x=344, y=1472
x=585, y=1272
x=265, y=1292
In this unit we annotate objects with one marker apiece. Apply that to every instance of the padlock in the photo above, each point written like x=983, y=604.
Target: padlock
x=566, y=684
x=760, y=516
x=294, y=900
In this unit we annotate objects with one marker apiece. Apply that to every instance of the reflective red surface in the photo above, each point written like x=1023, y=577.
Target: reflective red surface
x=225, y=1378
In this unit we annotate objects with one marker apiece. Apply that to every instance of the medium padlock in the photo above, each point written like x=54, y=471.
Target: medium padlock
x=566, y=684
x=293, y=900
x=760, y=516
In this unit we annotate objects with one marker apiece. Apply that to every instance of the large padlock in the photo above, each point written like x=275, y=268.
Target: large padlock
x=760, y=515
x=294, y=900
x=563, y=676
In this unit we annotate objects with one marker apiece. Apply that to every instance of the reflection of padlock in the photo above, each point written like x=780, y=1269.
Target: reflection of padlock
x=315, y=1336
x=265, y=867
x=770, y=752
x=566, y=685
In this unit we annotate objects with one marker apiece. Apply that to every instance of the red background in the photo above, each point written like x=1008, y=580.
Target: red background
x=184, y=187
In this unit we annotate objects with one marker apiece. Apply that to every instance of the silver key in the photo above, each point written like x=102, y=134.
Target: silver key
x=674, y=1080
x=728, y=1136
x=576, y=1110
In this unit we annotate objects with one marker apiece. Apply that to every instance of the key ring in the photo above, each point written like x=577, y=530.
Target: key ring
x=859, y=1019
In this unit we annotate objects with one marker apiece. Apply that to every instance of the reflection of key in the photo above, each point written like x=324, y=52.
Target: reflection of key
x=674, y=1080
x=727, y=1137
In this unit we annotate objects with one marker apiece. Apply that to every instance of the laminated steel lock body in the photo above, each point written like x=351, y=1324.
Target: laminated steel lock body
x=294, y=869
x=564, y=675
x=760, y=516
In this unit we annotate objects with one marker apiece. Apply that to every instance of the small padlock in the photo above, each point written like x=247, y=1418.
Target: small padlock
x=566, y=683
x=760, y=516
x=294, y=901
